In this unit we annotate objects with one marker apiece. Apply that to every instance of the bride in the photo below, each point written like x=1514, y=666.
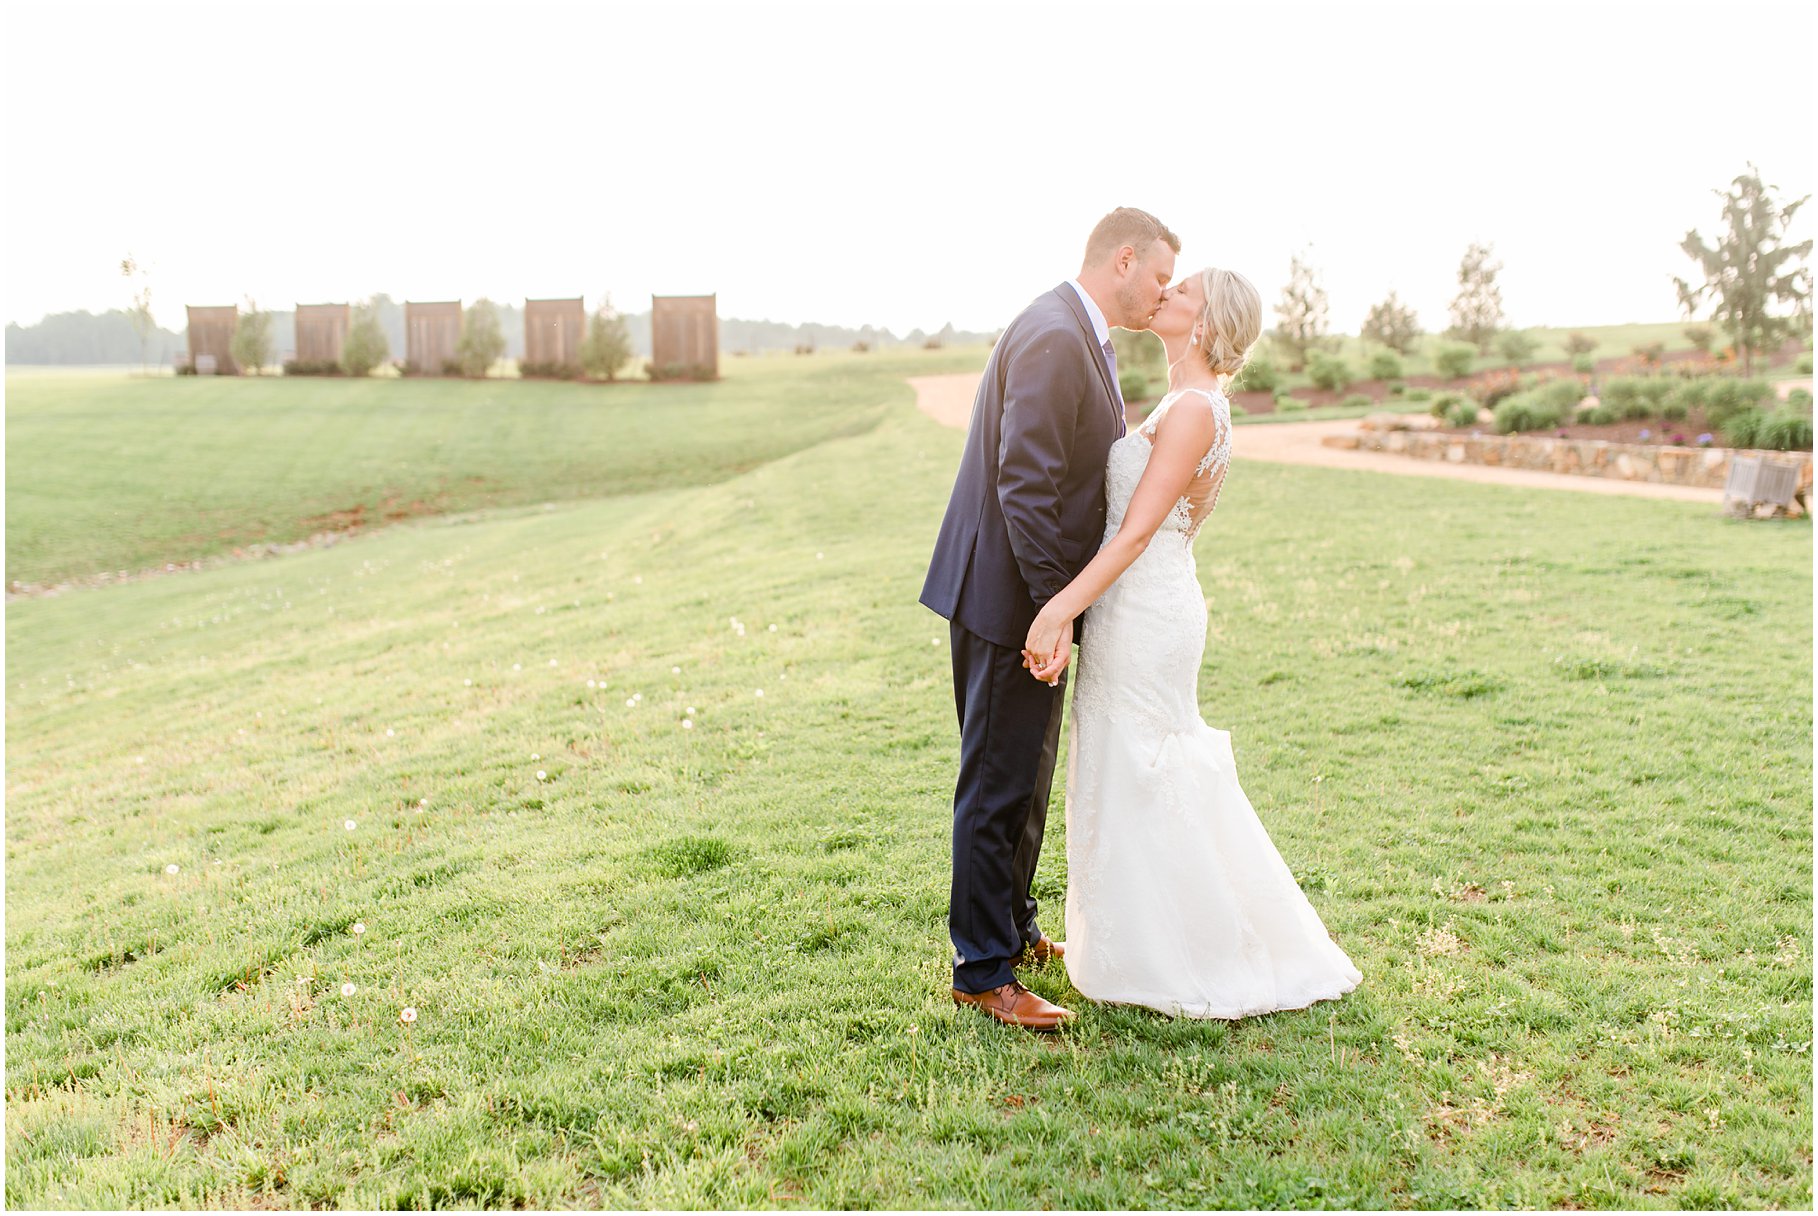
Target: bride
x=1176, y=897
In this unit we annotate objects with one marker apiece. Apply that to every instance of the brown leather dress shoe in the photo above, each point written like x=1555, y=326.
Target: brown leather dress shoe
x=1045, y=951
x=1014, y=1005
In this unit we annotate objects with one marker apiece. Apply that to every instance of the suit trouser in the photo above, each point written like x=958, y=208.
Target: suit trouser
x=1009, y=732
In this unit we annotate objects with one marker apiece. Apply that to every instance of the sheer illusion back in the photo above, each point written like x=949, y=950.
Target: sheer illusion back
x=1209, y=475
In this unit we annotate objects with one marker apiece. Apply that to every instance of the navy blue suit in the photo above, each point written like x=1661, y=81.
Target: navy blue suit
x=1026, y=515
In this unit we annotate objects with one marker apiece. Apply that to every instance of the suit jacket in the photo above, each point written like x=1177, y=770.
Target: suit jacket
x=1028, y=507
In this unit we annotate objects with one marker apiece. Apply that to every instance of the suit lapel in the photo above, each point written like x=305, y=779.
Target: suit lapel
x=1071, y=299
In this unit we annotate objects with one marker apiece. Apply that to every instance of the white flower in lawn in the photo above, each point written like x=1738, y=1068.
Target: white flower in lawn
x=687, y=723
x=536, y=755
x=675, y=671
x=349, y=825
x=467, y=683
x=819, y=556
x=172, y=868
x=348, y=989
x=517, y=667
x=631, y=702
x=691, y=711
x=389, y=732
x=408, y=1014
x=542, y=776
x=637, y=578
x=359, y=927
x=773, y=629
x=590, y=683
x=760, y=692
x=552, y=662
x=139, y=759
x=422, y=802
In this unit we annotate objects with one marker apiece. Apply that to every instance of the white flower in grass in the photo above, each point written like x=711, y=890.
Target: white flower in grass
x=631, y=702
x=517, y=667
x=542, y=776
x=350, y=825
x=348, y=989
x=407, y=1014
x=691, y=711
x=389, y=733
x=638, y=579
x=760, y=692
x=819, y=556
x=536, y=756
x=675, y=671
x=138, y=759
x=422, y=802
x=590, y=683
x=552, y=662
x=687, y=723
x=773, y=629
x=172, y=868
x=467, y=683
x=934, y=641
x=359, y=927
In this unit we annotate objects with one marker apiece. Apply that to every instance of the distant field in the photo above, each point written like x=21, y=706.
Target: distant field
x=110, y=472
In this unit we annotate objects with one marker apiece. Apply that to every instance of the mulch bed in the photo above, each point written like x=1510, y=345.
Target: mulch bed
x=1684, y=432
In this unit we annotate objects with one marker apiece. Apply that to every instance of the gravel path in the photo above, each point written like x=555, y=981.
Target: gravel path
x=948, y=400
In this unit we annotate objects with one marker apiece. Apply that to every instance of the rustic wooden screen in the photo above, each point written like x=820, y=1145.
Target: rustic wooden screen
x=685, y=332
x=431, y=332
x=211, y=332
x=322, y=332
x=553, y=330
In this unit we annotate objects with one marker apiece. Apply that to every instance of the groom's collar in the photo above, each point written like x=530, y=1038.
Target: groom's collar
x=1100, y=329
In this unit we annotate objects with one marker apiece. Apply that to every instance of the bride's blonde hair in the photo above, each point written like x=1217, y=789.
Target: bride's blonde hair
x=1230, y=323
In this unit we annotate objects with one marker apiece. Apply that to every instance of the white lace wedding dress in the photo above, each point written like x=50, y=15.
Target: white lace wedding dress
x=1176, y=897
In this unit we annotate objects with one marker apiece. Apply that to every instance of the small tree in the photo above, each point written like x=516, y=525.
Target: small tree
x=1393, y=324
x=482, y=339
x=1301, y=314
x=251, y=345
x=1517, y=346
x=608, y=342
x=1701, y=337
x=1577, y=344
x=366, y=346
x=140, y=313
x=1751, y=271
x=1477, y=308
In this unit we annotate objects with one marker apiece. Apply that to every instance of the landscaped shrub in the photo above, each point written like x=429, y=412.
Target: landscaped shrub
x=1385, y=365
x=1517, y=345
x=548, y=371
x=1787, y=431
x=1636, y=396
x=1289, y=404
x=1420, y=394
x=1803, y=363
x=1726, y=397
x=1584, y=365
x=1453, y=359
x=1397, y=388
x=1133, y=384
x=1328, y=371
x=1800, y=399
x=1443, y=402
x=1533, y=410
x=679, y=371
x=1357, y=401
x=1259, y=375
x=312, y=367
x=1492, y=386
x=1463, y=413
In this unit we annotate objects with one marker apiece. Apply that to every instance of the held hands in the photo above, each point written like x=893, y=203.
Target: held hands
x=1048, y=648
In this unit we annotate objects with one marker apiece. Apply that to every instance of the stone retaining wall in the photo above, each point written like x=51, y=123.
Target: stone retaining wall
x=1684, y=466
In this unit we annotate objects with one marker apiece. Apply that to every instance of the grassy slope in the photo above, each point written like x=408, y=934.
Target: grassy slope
x=1543, y=765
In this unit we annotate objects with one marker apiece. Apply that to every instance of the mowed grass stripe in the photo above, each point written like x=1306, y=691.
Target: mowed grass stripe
x=1542, y=764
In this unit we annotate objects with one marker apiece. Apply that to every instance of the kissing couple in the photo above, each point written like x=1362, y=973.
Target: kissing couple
x=1064, y=528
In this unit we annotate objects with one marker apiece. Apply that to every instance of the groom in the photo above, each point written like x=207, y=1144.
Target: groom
x=1027, y=514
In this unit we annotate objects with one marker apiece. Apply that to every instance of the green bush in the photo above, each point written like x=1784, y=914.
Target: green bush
x=1787, y=431
x=1259, y=376
x=1727, y=397
x=1289, y=404
x=1464, y=413
x=1532, y=410
x=1562, y=394
x=1419, y=394
x=1800, y=399
x=1328, y=371
x=1397, y=388
x=1385, y=365
x=1133, y=384
x=1743, y=428
x=1584, y=365
x=1636, y=396
x=1443, y=404
x=1517, y=345
x=1358, y=401
x=1453, y=359
x=1803, y=364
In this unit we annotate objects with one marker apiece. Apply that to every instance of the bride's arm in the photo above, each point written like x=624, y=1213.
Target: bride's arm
x=1181, y=441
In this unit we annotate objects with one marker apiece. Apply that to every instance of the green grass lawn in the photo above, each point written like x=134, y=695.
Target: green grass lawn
x=1541, y=761
x=118, y=472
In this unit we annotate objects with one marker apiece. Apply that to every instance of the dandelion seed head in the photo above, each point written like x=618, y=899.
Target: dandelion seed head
x=349, y=825
x=407, y=1014
x=359, y=927
x=172, y=868
x=687, y=723
x=348, y=989
x=542, y=776
x=675, y=671
x=468, y=683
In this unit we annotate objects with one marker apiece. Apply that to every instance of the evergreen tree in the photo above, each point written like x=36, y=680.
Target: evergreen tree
x=482, y=339
x=1477, y=308
x=251, y=344
x=366, y=346
x=1301, y=314
x=1393, y=324
x=608, y=342
x=1751, y=270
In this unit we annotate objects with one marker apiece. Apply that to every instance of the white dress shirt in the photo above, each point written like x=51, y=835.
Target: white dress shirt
x=1099, y=328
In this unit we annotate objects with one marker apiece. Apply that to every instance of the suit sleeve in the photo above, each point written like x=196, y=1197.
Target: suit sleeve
x=1043, y=387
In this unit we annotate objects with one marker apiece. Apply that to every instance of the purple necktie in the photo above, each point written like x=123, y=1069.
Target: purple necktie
x=1117, y=390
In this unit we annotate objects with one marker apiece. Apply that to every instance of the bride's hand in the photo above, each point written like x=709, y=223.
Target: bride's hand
x=1048, y=648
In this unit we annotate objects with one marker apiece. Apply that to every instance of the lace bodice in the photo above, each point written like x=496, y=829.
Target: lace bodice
x=1130, y=456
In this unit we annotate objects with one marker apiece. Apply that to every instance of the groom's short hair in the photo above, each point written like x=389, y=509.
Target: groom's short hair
x=1127, y=226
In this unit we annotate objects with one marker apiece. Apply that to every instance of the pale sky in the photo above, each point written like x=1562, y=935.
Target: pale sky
x=899, y=164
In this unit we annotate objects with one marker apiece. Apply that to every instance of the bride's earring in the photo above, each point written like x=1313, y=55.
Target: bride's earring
x=1194, y=340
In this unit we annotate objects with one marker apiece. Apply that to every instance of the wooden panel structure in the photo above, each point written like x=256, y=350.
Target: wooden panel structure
x=685, y=333
x=553, y=330
x=431, y=333
x=211, y=333
x=322, y=331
